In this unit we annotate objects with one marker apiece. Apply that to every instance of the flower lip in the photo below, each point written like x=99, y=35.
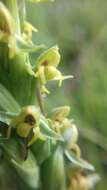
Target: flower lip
x=45, y=63
x=30, y=119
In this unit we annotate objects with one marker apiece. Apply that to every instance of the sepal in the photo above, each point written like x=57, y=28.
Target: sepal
x=78, y=162
x=47, y=131
x=28, y=170
x=24, y=46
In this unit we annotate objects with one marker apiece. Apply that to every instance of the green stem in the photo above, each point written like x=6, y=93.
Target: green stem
x=40, y=99
x=14, y=72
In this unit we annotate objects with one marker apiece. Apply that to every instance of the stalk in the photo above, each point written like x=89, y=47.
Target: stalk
x=15, y=70
x=40, y=99
x=41, y=148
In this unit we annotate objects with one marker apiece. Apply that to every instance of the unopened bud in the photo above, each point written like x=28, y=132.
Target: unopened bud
x=79, y=182
x=27, y=32
x=60, y=113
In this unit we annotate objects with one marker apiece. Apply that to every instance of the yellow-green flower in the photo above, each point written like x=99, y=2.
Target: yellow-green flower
x=27, y=32
x=46, y=66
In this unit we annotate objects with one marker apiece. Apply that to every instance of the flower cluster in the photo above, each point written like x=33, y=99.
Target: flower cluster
x=41, y=147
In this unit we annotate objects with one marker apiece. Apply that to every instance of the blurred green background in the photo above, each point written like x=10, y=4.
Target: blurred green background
x=79, y=27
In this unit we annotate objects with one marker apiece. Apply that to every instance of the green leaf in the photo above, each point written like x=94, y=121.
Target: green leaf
x=41, y=150
x=47, y=131
x=3, y=130
x=7, y=176
x=28, y=48
x=6, y=116
x=3, y=140
x=7, y=102
x=13, y=149
x=53, y=171
x=78, y=162
x=28, y=170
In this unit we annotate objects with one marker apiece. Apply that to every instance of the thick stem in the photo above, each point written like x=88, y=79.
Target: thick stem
x=14, y=71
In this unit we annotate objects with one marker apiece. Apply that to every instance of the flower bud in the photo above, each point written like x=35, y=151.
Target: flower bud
x=27, y=33
x=69, y=131
x=78, y=182
x=74, y=136
x=60, y=113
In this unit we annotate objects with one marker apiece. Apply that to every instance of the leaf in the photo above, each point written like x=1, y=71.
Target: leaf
x=28, y=170
x=3, y=140
x=41, y=150
x=6, y=116
x=48, y=132
x=13, y=149
x=22, y=45
x=78, y=162
x=7, y=102
x=3, y=131
x=53, y=171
